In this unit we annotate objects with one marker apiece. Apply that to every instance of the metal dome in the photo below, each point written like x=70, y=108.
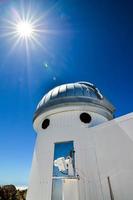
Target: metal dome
x=66, y=94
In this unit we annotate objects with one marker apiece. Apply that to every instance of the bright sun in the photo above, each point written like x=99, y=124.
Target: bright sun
x=25, y=29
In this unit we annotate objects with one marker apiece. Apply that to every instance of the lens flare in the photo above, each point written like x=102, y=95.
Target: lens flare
x=28, y=29
x=25, y=29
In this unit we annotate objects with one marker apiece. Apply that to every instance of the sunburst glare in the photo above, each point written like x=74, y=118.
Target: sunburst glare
x=28, y=29
x=25, y=29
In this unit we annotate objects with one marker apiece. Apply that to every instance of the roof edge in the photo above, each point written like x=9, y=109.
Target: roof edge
x=67, y=101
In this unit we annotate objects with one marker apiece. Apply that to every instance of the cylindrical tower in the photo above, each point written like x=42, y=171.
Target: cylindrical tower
x=65, y=162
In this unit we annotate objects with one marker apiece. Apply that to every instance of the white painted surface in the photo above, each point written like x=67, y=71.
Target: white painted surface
x=70, y=189
x=100, y=151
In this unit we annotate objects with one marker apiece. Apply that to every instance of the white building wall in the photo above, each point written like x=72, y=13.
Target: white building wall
x=114, y=147
x=101, y=151
x=70, y=189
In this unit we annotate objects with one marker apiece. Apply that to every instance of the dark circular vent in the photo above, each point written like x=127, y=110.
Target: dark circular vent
x=85, y=117
x=45, y=123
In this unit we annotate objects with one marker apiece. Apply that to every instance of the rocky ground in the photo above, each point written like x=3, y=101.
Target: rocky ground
x=9, y=192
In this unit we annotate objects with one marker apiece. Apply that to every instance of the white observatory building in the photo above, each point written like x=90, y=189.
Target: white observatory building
x=81, y=152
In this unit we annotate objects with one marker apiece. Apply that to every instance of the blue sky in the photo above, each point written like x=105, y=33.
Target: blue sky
x=87, y=41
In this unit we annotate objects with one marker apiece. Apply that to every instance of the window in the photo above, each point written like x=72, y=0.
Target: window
x=64, y=161
x=45, y=123
x=85, y=118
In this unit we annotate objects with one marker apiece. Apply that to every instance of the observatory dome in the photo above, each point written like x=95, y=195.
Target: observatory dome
x=73, y=94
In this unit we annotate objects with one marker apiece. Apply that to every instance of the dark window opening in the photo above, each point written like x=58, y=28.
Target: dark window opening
x=45, y=123
x=85, y=117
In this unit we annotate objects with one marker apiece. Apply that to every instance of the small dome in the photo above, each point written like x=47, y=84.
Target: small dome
x=79, y=92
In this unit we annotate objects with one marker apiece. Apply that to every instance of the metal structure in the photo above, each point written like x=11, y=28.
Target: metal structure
x=74, y=93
